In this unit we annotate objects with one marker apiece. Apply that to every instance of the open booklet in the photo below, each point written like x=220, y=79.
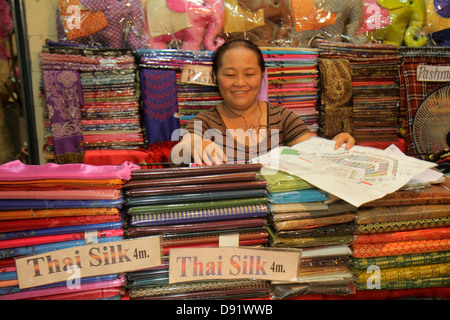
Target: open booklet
x=358, y=175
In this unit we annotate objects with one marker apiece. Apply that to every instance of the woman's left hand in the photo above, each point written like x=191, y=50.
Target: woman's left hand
x=344, y=137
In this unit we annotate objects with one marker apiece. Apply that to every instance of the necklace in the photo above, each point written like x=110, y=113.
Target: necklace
x=252, y=127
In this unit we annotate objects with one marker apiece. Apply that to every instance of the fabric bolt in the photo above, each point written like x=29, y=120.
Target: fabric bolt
x=52, y=213
x=367, y=250
x=195, y=206
x=41, y=248
x=62, y=195
x=420, y=234
x=295, y=196
x=227, y=213
x=197, y=287
x=95, y=294
x=25, y=204
x=410, y=284
x=55, y=184
x=403, y=225
x=119, y=282
x=39, y=240
x=403, y=260
x=407, y=273
x=396, y=213
x=294, y=207
x=309, y=223
x=24, y=225
x=159, y=98
x=59, y=230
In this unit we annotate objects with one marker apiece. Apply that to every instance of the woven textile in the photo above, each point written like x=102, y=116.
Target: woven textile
x=399, y=248
x=403, y=260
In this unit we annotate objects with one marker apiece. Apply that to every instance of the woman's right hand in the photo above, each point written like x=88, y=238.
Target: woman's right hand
x=199, y=150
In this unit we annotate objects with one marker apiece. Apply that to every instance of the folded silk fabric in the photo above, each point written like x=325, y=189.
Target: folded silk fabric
x=295, y=196
x=309, y=223
x=17, y=171
x=407, y=273
x=59, y=230
x=293, y=207
x=46, y=239
x=41, y=248
x=55, y=184
x=187, y=216
x=403, y=225
x=104, y=194
x=51, y=213
x=195, y=197
x=195, y=205
x=365, y=250
x=58, y=204
x=404, y=260
x=420, y=234
x=396, y=213
x=440, y=282
x=55, y=222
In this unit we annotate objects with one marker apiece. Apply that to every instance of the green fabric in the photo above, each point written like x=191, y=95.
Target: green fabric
x=402, y=260
x=280, y=181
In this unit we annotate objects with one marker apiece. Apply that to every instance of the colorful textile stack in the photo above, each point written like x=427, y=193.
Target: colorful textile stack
x=413, y=91
x=99, y=109
x=403, y=242
x=375, y=88
x=192, y=207
x=52, y=207
x=187, y=98
x=302, y=216
x=292, y=77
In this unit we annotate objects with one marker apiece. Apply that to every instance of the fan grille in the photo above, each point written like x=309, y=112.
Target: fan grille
x=431, y=124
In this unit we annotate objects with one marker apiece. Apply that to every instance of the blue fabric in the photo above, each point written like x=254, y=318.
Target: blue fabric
x=296, y=196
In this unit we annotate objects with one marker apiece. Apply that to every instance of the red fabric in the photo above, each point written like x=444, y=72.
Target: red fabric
x=155, y=153
x=400, y=143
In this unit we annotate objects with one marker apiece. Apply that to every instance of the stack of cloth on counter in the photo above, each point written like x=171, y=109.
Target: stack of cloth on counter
x=374, y=92
x=182, y=98
x=292, y=80
x=90, y=97
x=192, y=207
x=302, y=216
x=53, y=207
x=402, y=244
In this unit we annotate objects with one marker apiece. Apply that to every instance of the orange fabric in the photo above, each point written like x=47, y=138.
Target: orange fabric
x=51, y=213
x=309, y=17
x=366, y=250
x=90, y=21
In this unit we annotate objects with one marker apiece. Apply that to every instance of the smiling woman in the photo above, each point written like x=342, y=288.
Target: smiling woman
x=242, y=126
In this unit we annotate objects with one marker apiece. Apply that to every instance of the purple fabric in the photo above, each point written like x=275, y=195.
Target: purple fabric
x=159, y=101
x=442, y=8
x=64, y=100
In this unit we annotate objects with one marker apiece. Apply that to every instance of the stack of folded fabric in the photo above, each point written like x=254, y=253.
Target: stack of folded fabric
x=375, y=88
x=302, y=216
x=192, y=207
x=94, y=93
x=53, y=207
x=403, y=243
x=183, y=98
x=292, y=77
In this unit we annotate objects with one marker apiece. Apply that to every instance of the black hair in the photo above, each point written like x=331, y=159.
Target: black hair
x=236, y=43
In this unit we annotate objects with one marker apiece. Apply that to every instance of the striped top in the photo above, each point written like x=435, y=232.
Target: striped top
x=283, y=126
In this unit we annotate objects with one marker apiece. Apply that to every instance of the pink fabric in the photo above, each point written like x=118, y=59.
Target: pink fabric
x=17, y=171
x=99, y=194
x=63, y=289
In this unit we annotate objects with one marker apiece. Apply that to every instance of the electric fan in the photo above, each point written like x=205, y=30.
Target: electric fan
x=431, y=123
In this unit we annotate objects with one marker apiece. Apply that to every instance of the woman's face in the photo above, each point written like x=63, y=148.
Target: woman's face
x=239, y=78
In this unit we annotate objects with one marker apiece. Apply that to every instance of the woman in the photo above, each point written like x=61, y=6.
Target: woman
x=242, y=126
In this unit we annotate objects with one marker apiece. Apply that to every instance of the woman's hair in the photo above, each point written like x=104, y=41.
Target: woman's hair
x=236, y=43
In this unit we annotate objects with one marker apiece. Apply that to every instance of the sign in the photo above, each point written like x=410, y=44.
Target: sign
x=197, y=74
x=89, y=260
x=433, y=73
x=194, y=264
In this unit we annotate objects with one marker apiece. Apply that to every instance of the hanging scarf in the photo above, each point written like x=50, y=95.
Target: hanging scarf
x=159, y=98
x=64, y=100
